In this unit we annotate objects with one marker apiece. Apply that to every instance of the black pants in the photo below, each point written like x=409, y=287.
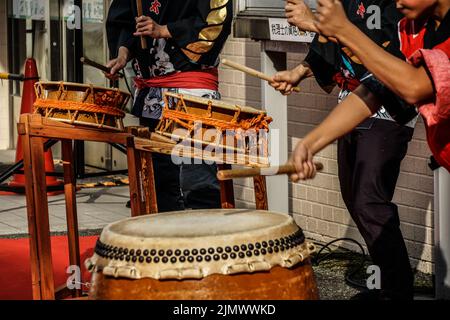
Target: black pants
x=185, y=186
x=369, y=163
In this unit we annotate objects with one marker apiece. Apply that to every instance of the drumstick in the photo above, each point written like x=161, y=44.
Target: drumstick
x=140, y=13
x=251, y=72
x=11, y=76
x=96, y=65
x=288, y=168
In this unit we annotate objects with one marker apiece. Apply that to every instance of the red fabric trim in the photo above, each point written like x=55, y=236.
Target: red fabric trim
x=437, y=112
x=445, y=47
x=201, y=79
x=412, y=34
x=345, y=83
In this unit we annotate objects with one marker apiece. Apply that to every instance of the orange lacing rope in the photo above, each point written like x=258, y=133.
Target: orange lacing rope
x=78, y=106
x=260, y=122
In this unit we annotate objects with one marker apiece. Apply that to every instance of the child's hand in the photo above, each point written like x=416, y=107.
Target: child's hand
x=146, y=26
x=303, y=161
x=300, y=15
x=285, y=81
x=331, y=19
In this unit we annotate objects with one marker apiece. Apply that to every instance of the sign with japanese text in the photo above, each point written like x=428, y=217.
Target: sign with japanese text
x=281, y=30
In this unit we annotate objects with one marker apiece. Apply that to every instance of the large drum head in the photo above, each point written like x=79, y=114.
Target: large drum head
x=195, y=244
x=199, y=223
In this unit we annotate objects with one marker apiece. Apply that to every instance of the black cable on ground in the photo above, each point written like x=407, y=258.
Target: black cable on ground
x=349, y=276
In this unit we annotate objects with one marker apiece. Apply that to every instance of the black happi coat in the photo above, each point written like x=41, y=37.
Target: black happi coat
x=327, y=60
x=199, y=29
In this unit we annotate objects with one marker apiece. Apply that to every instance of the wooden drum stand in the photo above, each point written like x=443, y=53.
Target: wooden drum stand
x=34, y=130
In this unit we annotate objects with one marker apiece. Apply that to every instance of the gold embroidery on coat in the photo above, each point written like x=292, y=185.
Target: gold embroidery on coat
x=200, y=46
x=217, y=16
x=210, y=33
x=192, y=56
x=214, y=4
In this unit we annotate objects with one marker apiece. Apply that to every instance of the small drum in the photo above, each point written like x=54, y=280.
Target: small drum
x=238, y=132
x=203, y=254
x=81, y=104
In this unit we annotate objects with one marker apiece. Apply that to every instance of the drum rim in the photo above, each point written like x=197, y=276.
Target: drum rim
x=133, y=257
x=83, y=85
x=216, y=103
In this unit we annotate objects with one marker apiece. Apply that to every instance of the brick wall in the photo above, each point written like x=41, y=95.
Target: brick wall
x=317, y=205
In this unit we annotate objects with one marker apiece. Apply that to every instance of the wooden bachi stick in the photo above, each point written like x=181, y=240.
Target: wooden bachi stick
x=251, y=71
x=98, y=66
x=140, y=13
x=288, y=168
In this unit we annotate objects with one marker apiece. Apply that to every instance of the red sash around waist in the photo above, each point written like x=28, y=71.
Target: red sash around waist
x=200, y=79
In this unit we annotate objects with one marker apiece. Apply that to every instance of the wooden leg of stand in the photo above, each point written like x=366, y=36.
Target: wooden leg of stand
x=71, y=207
x=42, y=219
x=226, y=190
x=63, y=292
x=134, y=176
x=259, y=185
x=31, y=214
x=148, y=183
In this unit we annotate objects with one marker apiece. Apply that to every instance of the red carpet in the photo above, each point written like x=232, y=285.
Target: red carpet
x=15, y=274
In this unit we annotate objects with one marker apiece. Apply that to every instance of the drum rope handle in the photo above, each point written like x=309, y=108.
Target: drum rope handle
x=209, y=109
x=61, y=90
x=183, y=103
x=236, y=114
x=85, y=95
x=77, y=106
x=91, y=87
x=38, y=89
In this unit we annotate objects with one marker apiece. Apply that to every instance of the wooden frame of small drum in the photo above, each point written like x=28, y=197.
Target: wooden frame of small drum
x=81, y=104
x=239, y=131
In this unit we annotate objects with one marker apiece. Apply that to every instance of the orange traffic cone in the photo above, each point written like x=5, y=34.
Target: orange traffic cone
x=28, y=99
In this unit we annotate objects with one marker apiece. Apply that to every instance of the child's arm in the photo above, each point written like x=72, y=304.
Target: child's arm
x=411, y=83
x=357, y=107
x=320, y=63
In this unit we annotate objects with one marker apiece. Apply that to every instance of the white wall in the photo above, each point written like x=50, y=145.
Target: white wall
x=4, y=88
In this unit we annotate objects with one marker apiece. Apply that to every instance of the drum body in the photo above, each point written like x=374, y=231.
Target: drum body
x=240, y=132
x=79, y=104
x=203, y=254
